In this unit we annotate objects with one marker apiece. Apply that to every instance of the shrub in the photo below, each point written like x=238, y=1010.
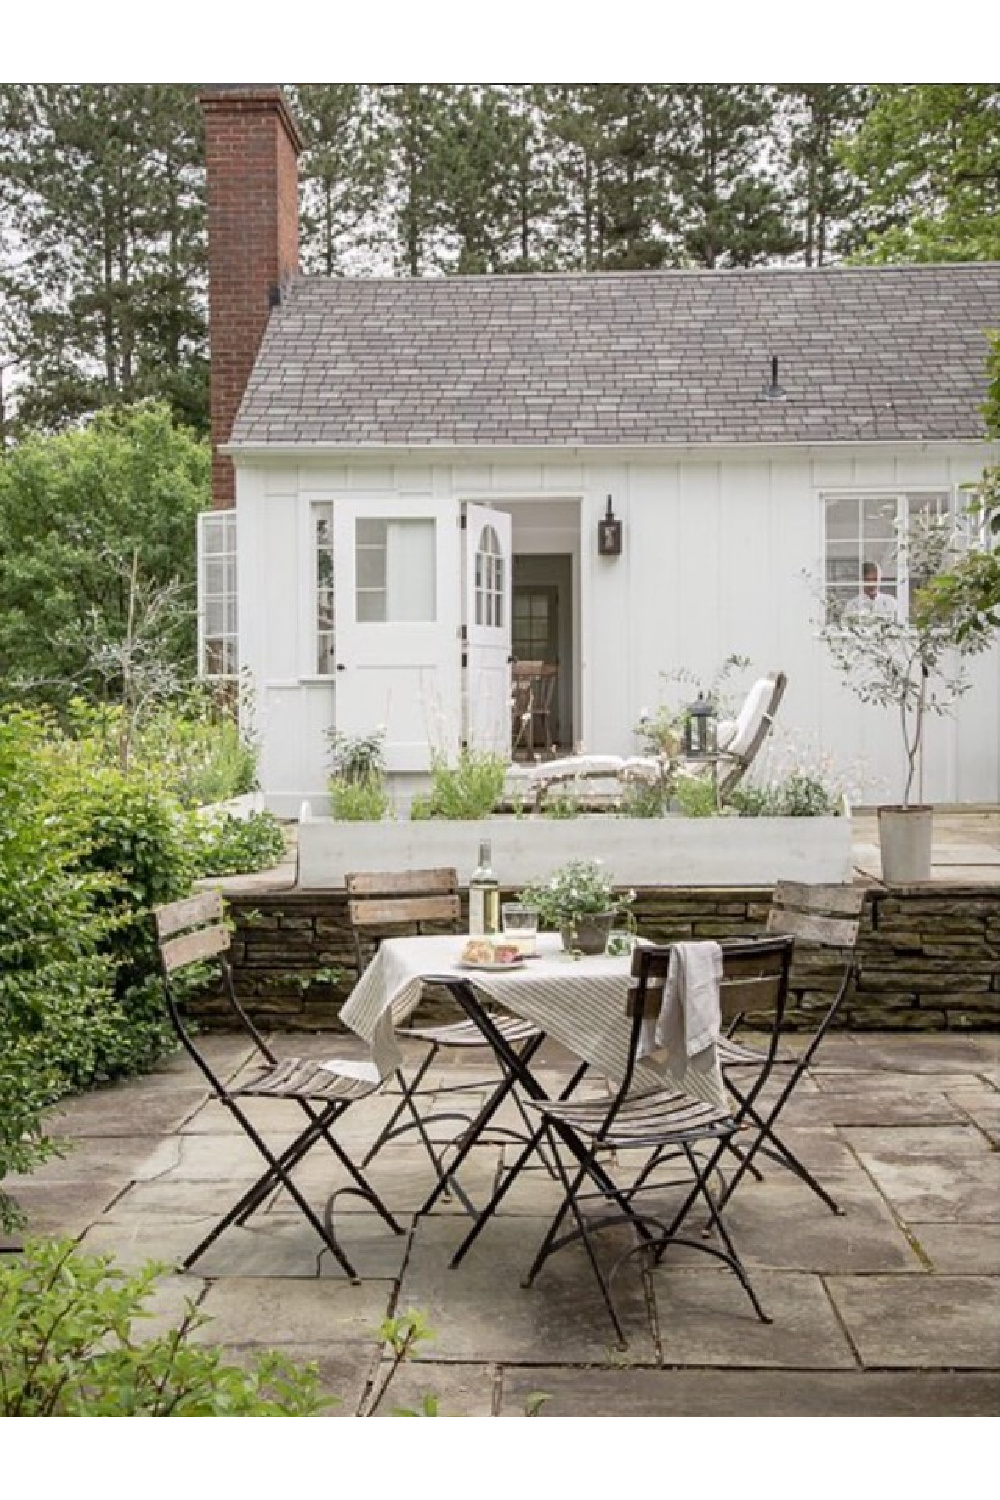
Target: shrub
x=138, y=840
x=471, y=789
x=68, y=1349
x=696, y=796
x=359, y=801
x=237, y=846
x=193, y=745
x=56, y=974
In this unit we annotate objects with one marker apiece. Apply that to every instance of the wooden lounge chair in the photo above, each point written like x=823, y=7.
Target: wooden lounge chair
x=740, y=742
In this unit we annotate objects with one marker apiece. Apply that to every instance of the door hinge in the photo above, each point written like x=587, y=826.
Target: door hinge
x=463, y=521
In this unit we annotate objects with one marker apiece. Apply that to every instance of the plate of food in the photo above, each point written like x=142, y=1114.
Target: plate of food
x=480, y=953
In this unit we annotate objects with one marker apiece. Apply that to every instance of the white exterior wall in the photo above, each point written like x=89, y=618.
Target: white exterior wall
x=714, y=552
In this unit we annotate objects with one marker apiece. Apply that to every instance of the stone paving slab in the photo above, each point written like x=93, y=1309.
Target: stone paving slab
x=930, y=1321
x=481, y=1311
x=937, y=1187
x=757, y=1393
x=460, y=1390
x=290, y=1311
x=958, y=1248
x=706, y=1318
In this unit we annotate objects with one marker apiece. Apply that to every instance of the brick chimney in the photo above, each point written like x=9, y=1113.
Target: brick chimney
x=251, y=149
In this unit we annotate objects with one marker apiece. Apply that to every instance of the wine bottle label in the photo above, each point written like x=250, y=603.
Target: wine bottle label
x=484, y=910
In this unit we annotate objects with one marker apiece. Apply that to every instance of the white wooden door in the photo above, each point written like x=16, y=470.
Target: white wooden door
x=487, y=629
x=397, y=655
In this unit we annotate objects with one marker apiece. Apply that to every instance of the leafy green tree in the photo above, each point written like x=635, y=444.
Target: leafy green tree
x=73, y=510
x=928, y=157
x=103, y=291
x=970, y=592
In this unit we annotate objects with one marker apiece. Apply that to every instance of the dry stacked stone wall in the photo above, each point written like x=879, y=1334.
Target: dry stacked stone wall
x=929, y=958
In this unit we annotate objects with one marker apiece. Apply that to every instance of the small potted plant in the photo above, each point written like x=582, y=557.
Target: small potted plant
x=580, y=900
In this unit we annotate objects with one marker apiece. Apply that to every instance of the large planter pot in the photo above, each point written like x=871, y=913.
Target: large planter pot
x=904, y=835
x=589, y=933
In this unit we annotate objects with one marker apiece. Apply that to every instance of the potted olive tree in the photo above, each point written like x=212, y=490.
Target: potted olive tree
x=915, y=667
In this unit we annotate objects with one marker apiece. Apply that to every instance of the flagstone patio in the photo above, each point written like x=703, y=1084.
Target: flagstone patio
x=893, y=1308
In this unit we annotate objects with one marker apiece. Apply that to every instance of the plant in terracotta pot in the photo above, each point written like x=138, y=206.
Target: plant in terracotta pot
x=915, y=667
x=580, y=901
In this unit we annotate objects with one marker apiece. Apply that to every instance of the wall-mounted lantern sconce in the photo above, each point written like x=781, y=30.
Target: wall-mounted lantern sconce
x=609, y=534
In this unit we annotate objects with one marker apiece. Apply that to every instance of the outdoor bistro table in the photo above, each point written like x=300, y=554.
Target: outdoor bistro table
x=579, y=1001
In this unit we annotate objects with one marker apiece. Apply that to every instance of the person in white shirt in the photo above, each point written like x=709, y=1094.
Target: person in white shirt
x=871, y=600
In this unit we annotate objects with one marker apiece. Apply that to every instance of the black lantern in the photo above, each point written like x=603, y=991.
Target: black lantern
x=701, y=725
x=609, y=534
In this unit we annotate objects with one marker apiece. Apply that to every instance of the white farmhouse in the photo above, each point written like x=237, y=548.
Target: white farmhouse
x=411, y=478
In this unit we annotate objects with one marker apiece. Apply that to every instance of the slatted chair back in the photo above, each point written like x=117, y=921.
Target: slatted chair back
x=742, y=760
x=826, y=915
x=755, y=973
x=194, y=932
x=381, y=903
x=755, y=977
x=821, y=917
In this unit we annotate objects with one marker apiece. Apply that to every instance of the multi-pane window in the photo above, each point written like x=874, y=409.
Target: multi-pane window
x=533, y=623
x=395, y=571
x=323, y=575
x=218, y=645
x=865, y=537
x=489, y=579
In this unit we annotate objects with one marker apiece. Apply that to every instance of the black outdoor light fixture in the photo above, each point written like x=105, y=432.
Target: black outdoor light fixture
x=701, y=729
x=609, y=534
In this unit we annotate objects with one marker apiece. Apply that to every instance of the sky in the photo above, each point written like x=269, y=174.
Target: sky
x=513, y=41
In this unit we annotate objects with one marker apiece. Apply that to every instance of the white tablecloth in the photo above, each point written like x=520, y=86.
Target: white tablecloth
x=578, y=1001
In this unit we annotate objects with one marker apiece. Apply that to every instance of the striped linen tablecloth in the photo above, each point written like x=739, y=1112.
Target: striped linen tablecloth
x=577, y=1001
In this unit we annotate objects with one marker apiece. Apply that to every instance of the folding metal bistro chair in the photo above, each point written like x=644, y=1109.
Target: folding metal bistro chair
x=383, y=903
x=662, y=1125
x=824, y=921
x=193, y=932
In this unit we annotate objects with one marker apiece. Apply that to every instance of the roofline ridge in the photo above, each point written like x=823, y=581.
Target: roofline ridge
x=316, y=278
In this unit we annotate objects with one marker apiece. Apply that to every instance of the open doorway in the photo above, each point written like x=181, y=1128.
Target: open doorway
x=542, y=631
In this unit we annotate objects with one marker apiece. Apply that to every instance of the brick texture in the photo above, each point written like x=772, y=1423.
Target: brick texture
x=251, y=151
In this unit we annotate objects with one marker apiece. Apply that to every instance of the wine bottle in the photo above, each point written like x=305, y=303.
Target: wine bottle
x=484, y=896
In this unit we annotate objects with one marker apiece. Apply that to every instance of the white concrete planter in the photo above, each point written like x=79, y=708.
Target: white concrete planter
x=664, y=852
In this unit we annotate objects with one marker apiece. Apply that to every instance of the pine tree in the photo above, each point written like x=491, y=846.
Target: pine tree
x=105, y=293
x=728, y=206
x=342, y=178
x=819, y=118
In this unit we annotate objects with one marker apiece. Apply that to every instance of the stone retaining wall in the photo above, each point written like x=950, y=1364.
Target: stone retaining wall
x=930, y=958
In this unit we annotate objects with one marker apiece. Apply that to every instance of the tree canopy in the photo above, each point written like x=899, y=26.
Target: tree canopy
x=74, y=510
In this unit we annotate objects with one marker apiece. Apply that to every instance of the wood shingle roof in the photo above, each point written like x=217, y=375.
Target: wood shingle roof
x=893, y=353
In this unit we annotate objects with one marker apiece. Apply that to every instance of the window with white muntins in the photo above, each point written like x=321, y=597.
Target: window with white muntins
x=218, y=642
x=395, y=570
x=865, y=547
x=489, y=579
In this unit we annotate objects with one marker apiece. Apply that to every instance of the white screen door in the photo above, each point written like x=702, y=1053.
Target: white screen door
x=487, y=629
x=397, y=664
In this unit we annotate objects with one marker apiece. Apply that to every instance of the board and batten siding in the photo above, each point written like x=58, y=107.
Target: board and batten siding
x=718, y=551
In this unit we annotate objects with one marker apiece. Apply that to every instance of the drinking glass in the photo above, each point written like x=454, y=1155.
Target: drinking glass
x=520, y=925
